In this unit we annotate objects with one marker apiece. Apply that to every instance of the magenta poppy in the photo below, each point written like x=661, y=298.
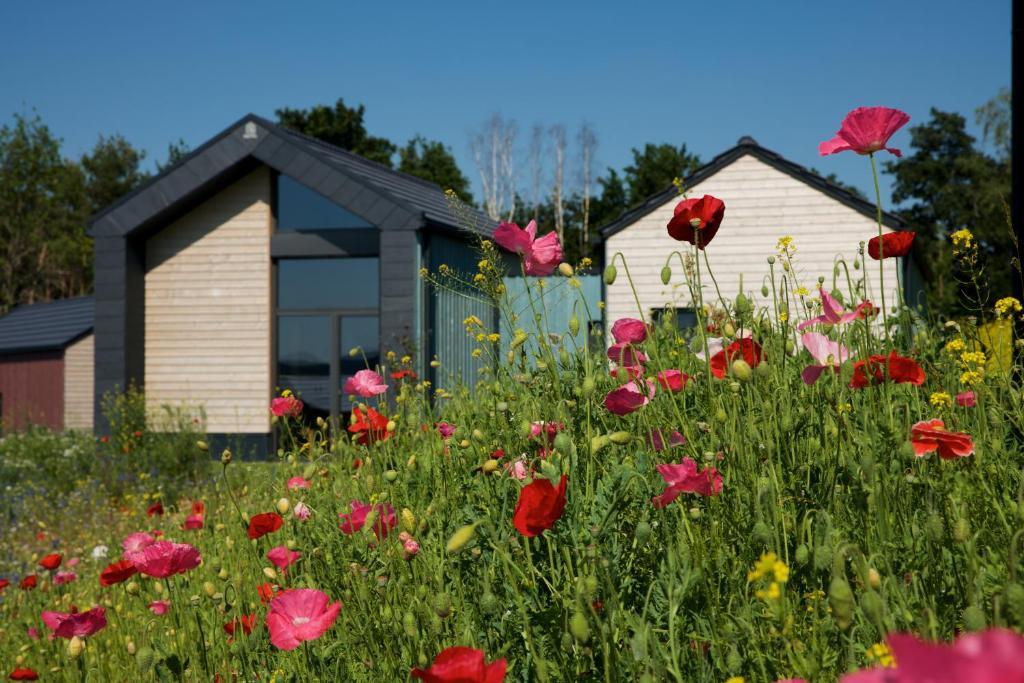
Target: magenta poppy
x=628, y=398
x=462, y=665
x=540, y=256
x=626, y=355
x=165, y=558
x=658, y=442
x=629, y=331
x=281, y=557
x=297, y=483
x=685, y=478
x=60, y=578
x=286, y=406
x=866, y=130
x=673, y=380
x=383, y=522
x=159, y=607
x=365, y=383
x=137, y=541
x=965, y=399
x=81, y=624
x=445, y=430
x=697, y=220
x=299, y=615
x=832, y=312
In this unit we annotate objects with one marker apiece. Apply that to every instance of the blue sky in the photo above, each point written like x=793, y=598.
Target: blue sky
x=700, y=73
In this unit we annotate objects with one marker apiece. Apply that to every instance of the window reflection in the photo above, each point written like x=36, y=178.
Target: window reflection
x=300, y=208
x=362, y=332
x=328, y=283
x=304, y=358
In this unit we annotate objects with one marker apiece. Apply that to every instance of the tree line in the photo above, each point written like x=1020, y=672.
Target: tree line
x=948, y=180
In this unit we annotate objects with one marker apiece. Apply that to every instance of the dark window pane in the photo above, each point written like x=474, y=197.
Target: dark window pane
x=300, y=208
x=685, y=319
x=304, y=358
x=362, y=332
x=327, y=283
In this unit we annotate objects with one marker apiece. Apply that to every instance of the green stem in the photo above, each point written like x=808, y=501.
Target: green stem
x=881, y=248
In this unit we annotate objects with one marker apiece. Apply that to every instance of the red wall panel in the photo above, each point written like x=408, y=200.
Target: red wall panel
x=32, y=390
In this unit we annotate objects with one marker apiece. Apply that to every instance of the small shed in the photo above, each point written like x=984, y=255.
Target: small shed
x=46, y=365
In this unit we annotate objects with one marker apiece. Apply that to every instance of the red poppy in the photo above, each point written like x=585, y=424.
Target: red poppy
x=697, y=220
x=264, y=523
x=198, y=507
x=901, y=370
x=266, y=592
x=156, y=508
x=51, y=561
x=749, y=349
x=539, y=507
x=23, y=674
x=371, y=427
x=41, y=536
x=246, y=621
x=118, y=572
x=402, y=374
x=4, y=583
x=893, y=244
x=29, y=582
x=930, y=436
x=462, y=665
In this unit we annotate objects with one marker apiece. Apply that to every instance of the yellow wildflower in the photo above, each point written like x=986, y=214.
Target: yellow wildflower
x=733, y=679
x=424, y=272
x=476, y=353
x=975, y=357
x=785, y=244
x=971, y=377
x=954, y=346
x=1007, y=306
x=940, y=399
x=772, y=592
x=406, y=360
x=802, y=291
x=473, y=320
x=962, y=240
x=879, y=652
x=494, y=337
x=585, y=262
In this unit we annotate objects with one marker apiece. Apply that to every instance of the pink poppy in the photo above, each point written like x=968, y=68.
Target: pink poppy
x=365, y=383
x=965, y=399
x=832, y=312
x=159, y=607
x=297, y=483
x=540, y=256
x=629, y=331
x=549, y=429
x=64, y=577
x=286, y=406
x=301, y=511
x=410, y=548
x=866, y=130
x=299, y=615
x=165, y=558
x=81, y=624
x=384, y=521
x=72, y=562
x=673, y=380
x=135, y=542
x=626, y=354
x=445, y=430
x=33, y=633
x=684, y=478
x=517, y=469
x=657, y=441
x=829, y=354
x=628, y=398
x=281, y=557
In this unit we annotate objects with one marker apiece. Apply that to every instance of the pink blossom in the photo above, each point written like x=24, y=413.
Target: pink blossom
x=72, y=562
x=673, y=380
x=540, y=256
x=81, y=624
x=193, y=522
x=965, y=399
x=365, y=383
x=832, y=312
x=384, y=521
x=164, y=559
x=657, y=441
x=301, y=511
x=281, y=557
x=866, y=130
x=64, y=577
x=297, y=483
x=33, y=633
x=299, y=615
x=517, y=469
x=410, y=548
x=684, y=478
x=549, y=429
x=159, y=607
x=135, y=542
x=629, y=331
x=829, y=354
x=445, y=430
x=628, y=398
x=625, y=354
x=286, y=406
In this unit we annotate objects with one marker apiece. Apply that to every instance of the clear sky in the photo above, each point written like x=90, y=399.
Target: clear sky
x=703, y=73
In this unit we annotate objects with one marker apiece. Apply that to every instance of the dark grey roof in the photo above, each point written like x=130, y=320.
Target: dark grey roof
x=383, y=196
x=45, y=327
x=747, y=145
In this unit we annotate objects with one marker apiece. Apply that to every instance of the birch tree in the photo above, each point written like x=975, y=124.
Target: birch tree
x=493, y=154
x=558, y=146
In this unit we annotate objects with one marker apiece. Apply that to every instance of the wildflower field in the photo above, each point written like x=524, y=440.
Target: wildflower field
x=805, y=486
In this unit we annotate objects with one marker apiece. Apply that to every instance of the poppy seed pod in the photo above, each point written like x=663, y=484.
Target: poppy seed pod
x=75, y=647
x=620, y=438
x=974, y=618
x=460, y=538
x=741, y=370
x=390, y=476
x=609, y=275
x=489, y=466
x=565, y=269
x=579, y=628
x=840, y=599
x=666, y=275
x=764, y=290
x=442, y=605
x=574, y=325
x=802, y=554
x=642, y=532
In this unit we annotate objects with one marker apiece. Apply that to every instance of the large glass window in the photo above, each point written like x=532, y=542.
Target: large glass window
x=300, y=208
x=334, y=283
x=304, y=358
x=359, y=348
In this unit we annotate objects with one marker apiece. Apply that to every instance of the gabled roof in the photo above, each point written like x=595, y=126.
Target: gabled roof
x=47, y=326
x=387, y=198
x=747, y=145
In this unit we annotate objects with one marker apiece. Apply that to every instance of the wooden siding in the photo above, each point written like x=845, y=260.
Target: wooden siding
x=208, y=309
x=78, y=383
x=762, y=204
x=32, y=390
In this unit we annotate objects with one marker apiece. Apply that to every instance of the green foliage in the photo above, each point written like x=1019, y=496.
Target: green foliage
x=434, y=162
x=655, y=167
x=341, y=126
x=176, y=151
x=112, y=170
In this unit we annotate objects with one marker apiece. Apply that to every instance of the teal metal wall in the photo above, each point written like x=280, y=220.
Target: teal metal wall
x=555, y=304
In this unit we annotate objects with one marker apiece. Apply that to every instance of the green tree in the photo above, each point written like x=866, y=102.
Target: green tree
x=655, y=167
x=994, y=119
x=614, y=199
x=945, y=184
x=341, y=126
x=112, y=170
x=44, y=251
x=176, y=151
x=433, y=161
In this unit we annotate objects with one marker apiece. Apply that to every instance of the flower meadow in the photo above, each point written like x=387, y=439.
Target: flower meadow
x=805, y=487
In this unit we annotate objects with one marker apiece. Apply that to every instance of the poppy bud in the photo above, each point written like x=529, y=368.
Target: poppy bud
x=589, y=385
x=391, y=426
x=840, y=599
x=974, y=618
x=225, y=457
x=874, y=578
x=873, y=607
x=283, y=505
x=761, y=534
x=550, y=470
x=145, y=658
x=934, y=528
x=270, y=573
x=209, y=588
x=802, y=554
x=565, y=269
x=771, y=260
x=961, y=530
x=822, y=556
x=620, y=438
x=464, y=443
x=442, y=605
x=609, y=275
x=790, y=347
x=563, y=357
x=130, y=647
x=741, y=370
x=390, y=476
x=410, y=464
x=733, y=660
x=460, y=538
x=579, y=628
x=489, y=466
x=666, y=275
x=695, y=513
x=729, y=330
x=435, y=363
x=598, y=442
x=223, y=575
x=409, y=624
x=132, y=588
x=75, y=647
x=201, y=445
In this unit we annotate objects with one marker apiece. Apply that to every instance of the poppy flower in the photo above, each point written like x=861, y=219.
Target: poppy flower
x=402, y=374
x=137, y=541
x=629, y=331
x=23, y=674
x=829, y=354
x=301, y=511
x=297, y=483
x=875, y=369
x=29, y=582
x=965, y=399
x=246, y=621
x=299, y=615
x=746, y=348
x=384, y=519
x=81, y=624
x=685, y=478
x=4, y=583
x=165, y=558
x=281, y=557
x=626, y=354
x=371, y=427
x=266, y=592
x=832, y=312
x=540, y=256
x=118, y=572
x=628, y=398
x=931, y=435
x=866, y=130
x=673, y=380
x=539, y=506
x=658, y=443
x=193, y=522
x=445, y=430
x=697, y=220
x=156, y=508
x=365, y=383
x=60, y=578
x=462, y=665
x=891, y=245
x=159, y=607
x=286, y=406
x=51, y=561
x=264, y=523
x=548, y=429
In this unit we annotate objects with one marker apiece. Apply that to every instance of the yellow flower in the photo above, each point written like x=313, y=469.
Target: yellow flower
x=773, y=592
x=954, y=346
x=962, y=239
x=494, y=338
x=424, y=272
x=733, y=679
x=476, y=353
x=880, y=653
x=1007, y=306
x=785, y=244
x=479, y=277
x=802, y=291
x=391, y=355
x=975, y=357
x=473, y=320
x=585, y=262
x=971, y=377
x=940, y=399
